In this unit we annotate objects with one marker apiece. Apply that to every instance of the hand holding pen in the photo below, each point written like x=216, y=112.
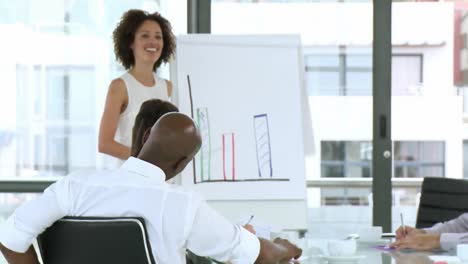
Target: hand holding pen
x=404, y=230
x=409, y=231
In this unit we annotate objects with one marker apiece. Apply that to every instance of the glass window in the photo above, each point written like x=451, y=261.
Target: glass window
x=51, y=128
x=406, y=171
x=419, y=159
x=358, y=83
x=412, y=159
x=346, y=196
x=358, y=151
x=432, y=171
x=333, y=150
x=406, y=151
x=363, y=62
x=332, y=170
x=359, y=171
x=321, y=82
x=338, y=65
x=54, y=90
x=346, y=159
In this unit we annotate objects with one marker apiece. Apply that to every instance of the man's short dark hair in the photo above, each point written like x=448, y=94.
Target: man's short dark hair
x=124, y=35
x=150, y=112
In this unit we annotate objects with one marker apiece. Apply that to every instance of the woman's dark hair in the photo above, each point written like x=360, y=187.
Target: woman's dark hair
x=150, y=112
x=124, y=35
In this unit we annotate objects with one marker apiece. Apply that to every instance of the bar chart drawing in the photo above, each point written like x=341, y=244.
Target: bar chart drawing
x=263, y=146
x=252, y=120
x=205, y=150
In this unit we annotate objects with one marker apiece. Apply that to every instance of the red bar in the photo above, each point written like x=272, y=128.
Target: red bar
x=224, y=160
x=233, y=160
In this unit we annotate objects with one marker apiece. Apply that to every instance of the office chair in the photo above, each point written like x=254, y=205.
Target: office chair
x=96, y=240
x=442, y=199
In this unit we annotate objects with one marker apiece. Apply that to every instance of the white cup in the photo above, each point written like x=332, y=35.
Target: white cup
x=372, y=233
x=462, y=252
x=341, y=247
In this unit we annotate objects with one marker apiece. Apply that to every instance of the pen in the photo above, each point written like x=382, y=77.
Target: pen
x=403, y=224
x=250, y=219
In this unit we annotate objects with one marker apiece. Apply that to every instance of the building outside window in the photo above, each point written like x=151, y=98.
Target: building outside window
x=346, y=159
x=351, y=74
x=353, y=159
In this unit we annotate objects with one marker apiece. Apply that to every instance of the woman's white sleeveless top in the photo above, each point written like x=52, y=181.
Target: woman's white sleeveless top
x=137, y=94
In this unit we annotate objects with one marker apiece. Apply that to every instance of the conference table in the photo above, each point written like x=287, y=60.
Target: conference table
x=315, y=252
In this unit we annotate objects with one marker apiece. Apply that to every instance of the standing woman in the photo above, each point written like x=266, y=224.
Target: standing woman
x=142, y=41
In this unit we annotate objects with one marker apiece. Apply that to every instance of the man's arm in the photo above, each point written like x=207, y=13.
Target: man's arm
x=457, y=225
x=278, y=251
x=30, y=219
x=452, y=232
x=28, y=257
x=210, y=234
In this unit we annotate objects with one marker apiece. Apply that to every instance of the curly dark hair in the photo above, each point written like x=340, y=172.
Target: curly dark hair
x=124, y=35
x=149, y=114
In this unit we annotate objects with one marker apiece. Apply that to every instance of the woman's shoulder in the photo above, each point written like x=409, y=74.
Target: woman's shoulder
x=118, y=90
x=118, y=84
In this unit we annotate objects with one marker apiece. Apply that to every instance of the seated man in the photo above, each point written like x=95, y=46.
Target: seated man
x=442, y=235
x=176, y=219
x=150, y=111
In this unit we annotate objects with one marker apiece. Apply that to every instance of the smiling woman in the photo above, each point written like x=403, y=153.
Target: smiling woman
x=142, y=41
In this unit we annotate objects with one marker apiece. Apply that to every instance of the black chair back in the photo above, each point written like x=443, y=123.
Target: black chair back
x=442, y=199
x=96, y=240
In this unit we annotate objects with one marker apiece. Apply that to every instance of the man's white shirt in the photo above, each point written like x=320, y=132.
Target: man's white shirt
x=452, y=232
x=175, y=218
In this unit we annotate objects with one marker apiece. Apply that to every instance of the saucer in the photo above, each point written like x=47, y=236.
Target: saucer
x=343, y=259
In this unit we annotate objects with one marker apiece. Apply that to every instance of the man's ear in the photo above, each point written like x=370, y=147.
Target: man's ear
x=145, y=136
